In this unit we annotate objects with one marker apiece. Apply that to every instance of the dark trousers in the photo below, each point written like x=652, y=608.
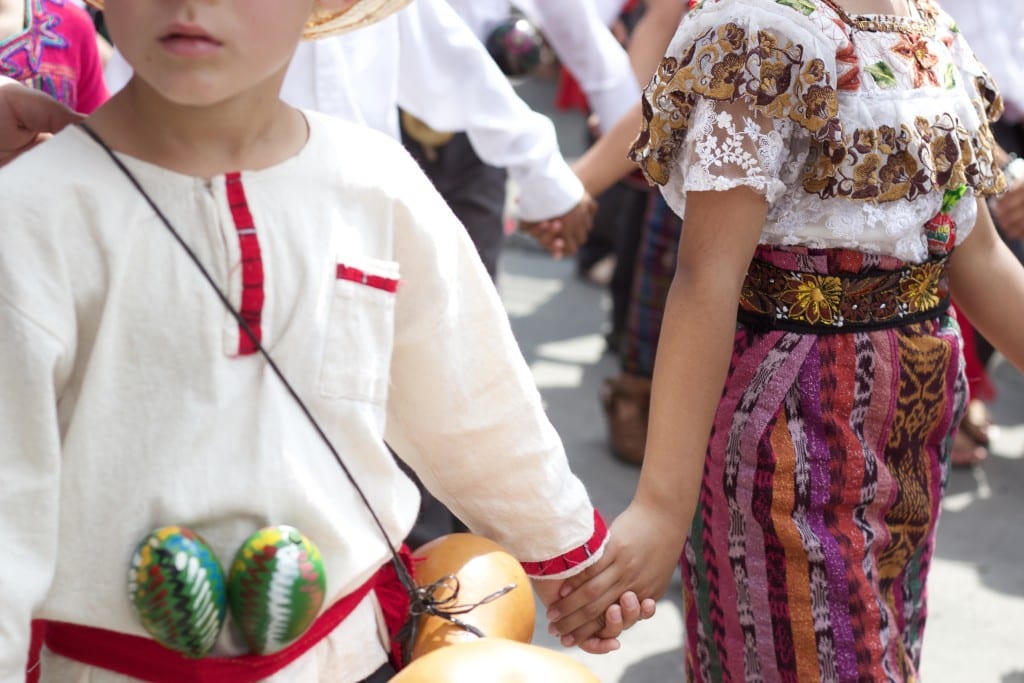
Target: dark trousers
x=474, y=190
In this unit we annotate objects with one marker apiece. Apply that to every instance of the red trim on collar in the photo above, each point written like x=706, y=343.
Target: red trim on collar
x=573, y=558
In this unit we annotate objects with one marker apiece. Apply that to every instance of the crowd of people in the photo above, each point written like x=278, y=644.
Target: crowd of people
x=247, y=269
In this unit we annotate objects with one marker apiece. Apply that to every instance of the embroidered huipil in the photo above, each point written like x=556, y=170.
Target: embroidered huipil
x=56, y=53
x=853, y=135
x=131, y=401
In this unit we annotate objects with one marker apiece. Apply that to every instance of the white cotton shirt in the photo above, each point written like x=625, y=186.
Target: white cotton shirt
x=579, y=35
x=126, y=407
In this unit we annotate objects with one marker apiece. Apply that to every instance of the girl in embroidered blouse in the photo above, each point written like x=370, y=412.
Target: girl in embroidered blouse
x=51, y=46
x=132, y=400
x=831, y=159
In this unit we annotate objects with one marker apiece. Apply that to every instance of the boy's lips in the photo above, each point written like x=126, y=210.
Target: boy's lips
x=186, y=40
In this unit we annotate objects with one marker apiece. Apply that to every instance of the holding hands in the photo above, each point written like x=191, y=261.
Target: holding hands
x=563, y=235
x=643, y=550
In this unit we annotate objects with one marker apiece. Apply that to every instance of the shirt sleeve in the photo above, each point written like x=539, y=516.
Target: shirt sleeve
x=756, y=62
x=587, y=48
x=448, y=80
x=30, y=485
x=463, y=409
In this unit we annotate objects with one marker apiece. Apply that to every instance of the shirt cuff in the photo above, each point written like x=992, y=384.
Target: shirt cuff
x=550, y=193
x=574, y=561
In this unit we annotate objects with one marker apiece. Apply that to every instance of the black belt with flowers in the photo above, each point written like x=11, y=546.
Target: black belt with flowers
x=775, y=298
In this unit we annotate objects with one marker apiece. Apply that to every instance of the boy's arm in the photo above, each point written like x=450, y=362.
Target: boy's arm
x=591, y=53
x=448, y=80
x=30, y=479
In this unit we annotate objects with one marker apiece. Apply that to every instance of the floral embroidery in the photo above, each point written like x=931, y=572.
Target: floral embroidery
x=886, y=164
x=923, y=60
x=725, y=63
x=920, y=286
x=814, y=299
x=779, y=297
x=777, y=78
x=883, y=75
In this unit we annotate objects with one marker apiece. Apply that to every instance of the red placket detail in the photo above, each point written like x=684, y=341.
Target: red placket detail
x=251, y=305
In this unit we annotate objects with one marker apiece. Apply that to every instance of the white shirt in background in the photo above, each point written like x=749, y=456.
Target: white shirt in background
x=579, y=35
x=995, y=31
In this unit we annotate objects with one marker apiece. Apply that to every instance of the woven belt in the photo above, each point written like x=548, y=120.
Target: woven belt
x=774, y=298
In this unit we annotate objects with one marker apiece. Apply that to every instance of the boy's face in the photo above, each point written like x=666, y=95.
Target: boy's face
x=203, y=52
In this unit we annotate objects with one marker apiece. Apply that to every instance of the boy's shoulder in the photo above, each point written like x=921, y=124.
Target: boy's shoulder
x=361, y=155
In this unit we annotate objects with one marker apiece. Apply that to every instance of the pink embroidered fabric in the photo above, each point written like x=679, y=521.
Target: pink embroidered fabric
x=56, y=53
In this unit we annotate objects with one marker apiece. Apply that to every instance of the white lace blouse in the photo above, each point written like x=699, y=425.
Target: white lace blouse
x=857, y=130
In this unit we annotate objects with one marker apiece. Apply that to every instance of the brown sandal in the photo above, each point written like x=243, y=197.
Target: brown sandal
x=627, y=400
x=970, y=444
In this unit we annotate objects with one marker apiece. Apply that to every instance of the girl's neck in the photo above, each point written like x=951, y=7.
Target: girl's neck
x=249, y=132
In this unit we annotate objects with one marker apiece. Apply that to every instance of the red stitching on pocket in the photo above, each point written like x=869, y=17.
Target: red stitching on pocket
x=362, y=277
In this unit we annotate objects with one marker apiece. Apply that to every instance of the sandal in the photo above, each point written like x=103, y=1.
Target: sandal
x=627, y=400
x=970, y=444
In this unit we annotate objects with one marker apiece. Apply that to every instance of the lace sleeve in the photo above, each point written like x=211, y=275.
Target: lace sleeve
x=731, y=145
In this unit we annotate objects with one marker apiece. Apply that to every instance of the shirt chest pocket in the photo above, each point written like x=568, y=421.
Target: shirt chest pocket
x=360, y=331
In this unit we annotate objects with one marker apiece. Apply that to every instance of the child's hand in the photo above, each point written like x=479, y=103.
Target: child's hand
x=607, y=627
x=548, y=234
x=1009, y=211
x=27, y=117
x=643, y=550
x=564, y=234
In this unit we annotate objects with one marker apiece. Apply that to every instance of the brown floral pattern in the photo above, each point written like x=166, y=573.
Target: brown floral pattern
x=732, y=62
x=784, y=297
x=726, y=63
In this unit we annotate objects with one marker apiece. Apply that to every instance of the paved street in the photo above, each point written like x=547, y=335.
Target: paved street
x=976, y=624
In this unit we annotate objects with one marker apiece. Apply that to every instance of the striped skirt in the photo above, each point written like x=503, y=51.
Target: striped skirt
x=810, y=547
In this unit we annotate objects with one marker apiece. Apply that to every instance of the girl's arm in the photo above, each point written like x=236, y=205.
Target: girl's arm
x=605, y=162
x=979, y=268
x=652, y=35
x=694, y=351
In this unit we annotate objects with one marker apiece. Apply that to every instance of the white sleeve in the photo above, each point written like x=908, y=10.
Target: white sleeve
x=448, y=80
x=463, y=409
x=30, y=483
x=586, y=47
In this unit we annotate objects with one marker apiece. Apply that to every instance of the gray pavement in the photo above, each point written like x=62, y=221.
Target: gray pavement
x=976, y=623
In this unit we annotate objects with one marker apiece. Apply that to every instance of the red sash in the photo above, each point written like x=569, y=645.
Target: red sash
x=147, y=660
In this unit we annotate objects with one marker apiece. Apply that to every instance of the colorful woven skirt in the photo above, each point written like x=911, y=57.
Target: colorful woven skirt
x=810, y=547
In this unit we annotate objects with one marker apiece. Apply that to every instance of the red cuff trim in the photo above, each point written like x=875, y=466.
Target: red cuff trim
x=573, y=558
x=376, y=281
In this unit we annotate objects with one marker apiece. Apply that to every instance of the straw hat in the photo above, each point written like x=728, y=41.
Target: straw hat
x=324, y=23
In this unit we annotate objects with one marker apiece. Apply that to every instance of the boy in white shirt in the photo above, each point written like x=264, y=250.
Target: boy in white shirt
x=135, y=399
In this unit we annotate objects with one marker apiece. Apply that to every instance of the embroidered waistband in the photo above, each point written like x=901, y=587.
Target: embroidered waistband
x=775, y=298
